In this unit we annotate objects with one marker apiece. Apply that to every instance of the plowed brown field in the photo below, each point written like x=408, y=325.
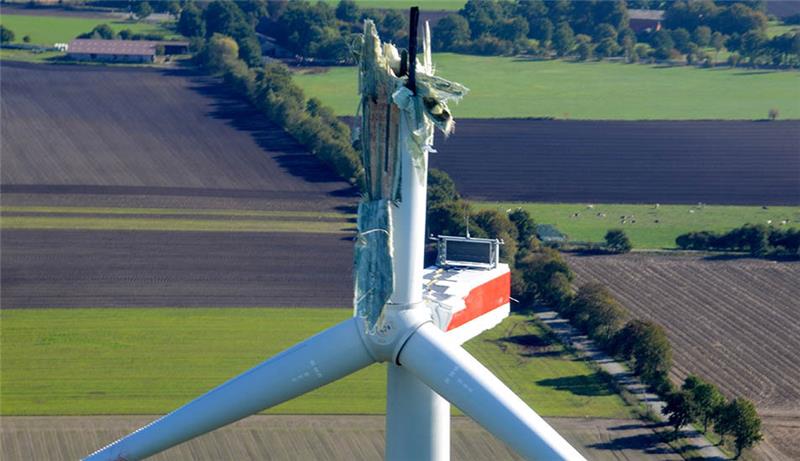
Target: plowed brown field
x=716, y=162
x=735, y=322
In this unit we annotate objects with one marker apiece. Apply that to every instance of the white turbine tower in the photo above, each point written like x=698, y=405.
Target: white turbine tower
x=415, y=329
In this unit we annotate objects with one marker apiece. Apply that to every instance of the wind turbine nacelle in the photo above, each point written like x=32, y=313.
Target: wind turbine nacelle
x=467, y=297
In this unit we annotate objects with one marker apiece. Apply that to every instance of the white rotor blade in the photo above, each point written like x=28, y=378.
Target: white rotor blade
x=319, y=360
x=460, y=378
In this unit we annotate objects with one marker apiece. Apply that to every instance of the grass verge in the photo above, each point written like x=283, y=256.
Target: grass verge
x=162, y=219
x=654, y=228
x=149, y=361
x=503, y=87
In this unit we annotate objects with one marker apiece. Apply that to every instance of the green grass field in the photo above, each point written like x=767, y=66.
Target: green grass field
x=645, y=233
x=166, y=219
x=509, y=87
x=149, y=361
x=47, y=30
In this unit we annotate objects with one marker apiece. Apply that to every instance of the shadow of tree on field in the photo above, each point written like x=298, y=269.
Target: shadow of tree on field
x=648, y=443
x=595, y=384
x=290, y=155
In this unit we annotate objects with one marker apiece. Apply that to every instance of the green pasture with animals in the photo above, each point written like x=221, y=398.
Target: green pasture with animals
x=150, y=360
x=648, y=226
x=508, y=87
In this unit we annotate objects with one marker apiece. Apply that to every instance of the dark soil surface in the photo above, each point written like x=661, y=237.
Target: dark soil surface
x=783, y=8
x=87, y=130
x=715, y=162
x=55, y=268
x=732, y=322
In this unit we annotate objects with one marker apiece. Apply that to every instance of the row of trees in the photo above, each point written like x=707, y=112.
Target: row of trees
x=757, y=239
x=700, y=402
x=310, y=30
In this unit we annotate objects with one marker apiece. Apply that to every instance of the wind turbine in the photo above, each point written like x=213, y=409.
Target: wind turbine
x=402, y=316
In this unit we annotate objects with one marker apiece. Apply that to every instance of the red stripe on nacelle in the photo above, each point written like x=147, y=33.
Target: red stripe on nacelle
x=482, y=299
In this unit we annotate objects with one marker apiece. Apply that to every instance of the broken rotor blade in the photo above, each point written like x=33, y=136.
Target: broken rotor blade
x=458, y=377
x=319, y=360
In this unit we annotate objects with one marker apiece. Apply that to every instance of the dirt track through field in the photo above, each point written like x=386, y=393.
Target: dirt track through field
x=265, y=437
x=715, y=162
x=733, y=322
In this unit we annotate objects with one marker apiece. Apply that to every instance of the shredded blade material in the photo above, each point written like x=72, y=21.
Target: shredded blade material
x=394, y=121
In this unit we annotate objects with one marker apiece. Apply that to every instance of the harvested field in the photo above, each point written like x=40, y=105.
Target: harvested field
x=83, y=130
x=732, y=321
x=715, y=162
x=63, y=268
x=266, y=437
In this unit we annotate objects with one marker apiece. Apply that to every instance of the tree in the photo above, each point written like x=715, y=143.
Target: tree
x=441, y=187
x=512, y=29
x=773, y=114
x=190, y=23
x=226, y=18
x=596, y=311
x=6, y=34
x=481, y=16
x=739, y=419
x=174, y=8
x=451, y=32
x=564, y=39
x=718, y=43
x=538, y=268
x=393, y=26
x=142, y=10
x=739, y=19
x=100, y=32
x=220, y=52
x=702, y=36
x=663, y=44
x=706, y=399
x=680, y=410
x=27, y=39
x=617, y=241
x=647, y=345
x=526, y=226
x=585, y=48
x=682, y=40
x=607, y=48
x=347, y=11
x=542, y=30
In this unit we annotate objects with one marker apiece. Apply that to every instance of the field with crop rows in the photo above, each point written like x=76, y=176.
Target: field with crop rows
x=732, y=321
x=715, y=162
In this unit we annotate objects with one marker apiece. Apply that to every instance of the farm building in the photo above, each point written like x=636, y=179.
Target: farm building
x=642, y=20
x=121, y=50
